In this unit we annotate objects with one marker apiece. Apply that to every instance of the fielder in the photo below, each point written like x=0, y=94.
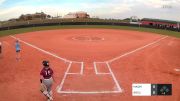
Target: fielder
x=46, y=80
x=18, y=49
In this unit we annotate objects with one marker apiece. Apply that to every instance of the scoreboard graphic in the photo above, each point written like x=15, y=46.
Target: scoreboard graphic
x=151, y=89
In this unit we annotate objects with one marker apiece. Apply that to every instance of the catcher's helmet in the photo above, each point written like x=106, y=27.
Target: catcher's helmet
x=45, y=63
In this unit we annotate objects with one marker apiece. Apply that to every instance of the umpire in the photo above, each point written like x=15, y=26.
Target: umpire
x=46, y=79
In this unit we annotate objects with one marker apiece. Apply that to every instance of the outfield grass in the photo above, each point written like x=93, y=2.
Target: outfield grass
x=31, y=29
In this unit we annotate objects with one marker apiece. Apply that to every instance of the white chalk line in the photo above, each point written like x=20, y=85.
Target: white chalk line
x=138, y=49
x=89, y=92
x=81, y=70
x=107, y=62
x=177, y=70
x=59, y=88
x=44, y=51
x=96, y=70
x=114, y=78
x=110, y=72
x=62, y=82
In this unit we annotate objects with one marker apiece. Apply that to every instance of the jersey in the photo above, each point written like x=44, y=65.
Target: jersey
x=17, y=45
x=46, y=73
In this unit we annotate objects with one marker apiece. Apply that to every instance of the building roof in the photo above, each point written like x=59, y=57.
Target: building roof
x=159, y=20
x=81, y=12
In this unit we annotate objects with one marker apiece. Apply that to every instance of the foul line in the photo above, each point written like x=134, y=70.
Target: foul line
x=44, y=51
x=138, y=49
x=62, y=82
x=59, y=89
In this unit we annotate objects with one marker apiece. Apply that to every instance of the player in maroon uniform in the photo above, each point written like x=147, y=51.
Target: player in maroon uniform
x=46, y=78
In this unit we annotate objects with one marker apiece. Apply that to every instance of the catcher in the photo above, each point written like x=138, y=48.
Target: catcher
x=46, y=80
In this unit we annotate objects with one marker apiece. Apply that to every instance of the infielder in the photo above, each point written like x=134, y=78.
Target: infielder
x=18, y=49
x=46, y=80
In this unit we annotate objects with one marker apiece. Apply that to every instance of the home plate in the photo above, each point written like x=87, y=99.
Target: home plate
x=177, y=70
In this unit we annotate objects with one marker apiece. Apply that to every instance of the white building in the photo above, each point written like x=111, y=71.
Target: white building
x=70, y=15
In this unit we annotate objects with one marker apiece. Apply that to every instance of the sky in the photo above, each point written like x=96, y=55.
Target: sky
x=117, y=9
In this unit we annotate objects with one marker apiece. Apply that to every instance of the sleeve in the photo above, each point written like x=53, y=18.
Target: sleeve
x=41, y=73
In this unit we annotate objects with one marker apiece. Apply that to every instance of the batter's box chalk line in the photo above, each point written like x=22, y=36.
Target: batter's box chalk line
x=59, y=88
x=118, y=90
x=117, y=86
x=81, y=70
x=96, y=70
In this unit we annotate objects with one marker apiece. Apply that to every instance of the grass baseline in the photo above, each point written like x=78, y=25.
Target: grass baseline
x=142, y=29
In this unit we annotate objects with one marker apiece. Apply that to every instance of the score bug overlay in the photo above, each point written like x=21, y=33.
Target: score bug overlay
x=151, y=89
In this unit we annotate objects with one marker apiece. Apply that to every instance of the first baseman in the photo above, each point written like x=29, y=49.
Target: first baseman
x=46, y=80
x=18, y=49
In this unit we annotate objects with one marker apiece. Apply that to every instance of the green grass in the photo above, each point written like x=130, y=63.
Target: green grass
x=31, y=29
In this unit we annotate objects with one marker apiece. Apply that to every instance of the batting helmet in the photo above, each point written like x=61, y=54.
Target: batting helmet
x=45, y=63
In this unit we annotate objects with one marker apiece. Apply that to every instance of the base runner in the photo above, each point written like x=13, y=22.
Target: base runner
x=46, y=79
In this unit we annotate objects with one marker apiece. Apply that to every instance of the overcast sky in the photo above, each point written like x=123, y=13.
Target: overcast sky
x=119, y=9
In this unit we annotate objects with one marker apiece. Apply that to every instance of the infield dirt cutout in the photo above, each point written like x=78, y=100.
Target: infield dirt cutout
x=93, y=64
